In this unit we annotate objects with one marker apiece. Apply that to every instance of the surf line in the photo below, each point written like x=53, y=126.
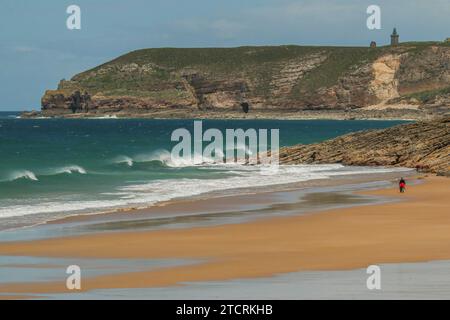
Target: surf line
x=241, y=146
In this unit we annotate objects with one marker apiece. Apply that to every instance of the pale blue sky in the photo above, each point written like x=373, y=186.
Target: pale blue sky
x=37, y=50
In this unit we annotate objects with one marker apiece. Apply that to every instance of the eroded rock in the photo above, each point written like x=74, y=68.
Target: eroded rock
x=424, y=145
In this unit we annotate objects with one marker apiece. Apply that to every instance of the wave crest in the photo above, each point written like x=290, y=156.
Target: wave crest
x=124, y=160
x=165, y=158
x=23, y=174
x=30, y=175
x=70, y=170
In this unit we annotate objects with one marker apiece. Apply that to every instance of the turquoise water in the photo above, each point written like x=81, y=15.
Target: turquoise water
x=53, y=167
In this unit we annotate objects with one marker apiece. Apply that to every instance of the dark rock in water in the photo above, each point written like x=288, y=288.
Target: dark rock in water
x=245, y=107
x=424, y=145
x=30, y=114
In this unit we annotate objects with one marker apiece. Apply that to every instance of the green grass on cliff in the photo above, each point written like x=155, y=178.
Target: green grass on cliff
x=340, y=61
x=425, y=96
x=257, y=65
x=220, y=59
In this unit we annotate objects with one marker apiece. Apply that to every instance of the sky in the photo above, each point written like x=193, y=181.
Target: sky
x=37, y=49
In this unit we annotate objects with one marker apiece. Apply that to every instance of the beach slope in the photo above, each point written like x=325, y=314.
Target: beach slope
x=412, y=230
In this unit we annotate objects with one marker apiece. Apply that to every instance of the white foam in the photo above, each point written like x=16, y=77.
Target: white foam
x=196, y=160
x=165, y=157
x=30, y=175
x=22, y=174
x=162, y=156
x=70, y=170
x=113, y=116
x=147, y=194
x=123, y=160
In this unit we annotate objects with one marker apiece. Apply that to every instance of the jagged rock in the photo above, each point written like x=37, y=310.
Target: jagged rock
x=424, y=145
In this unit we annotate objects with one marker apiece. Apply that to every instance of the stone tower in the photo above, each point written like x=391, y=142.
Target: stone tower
x=394, y=38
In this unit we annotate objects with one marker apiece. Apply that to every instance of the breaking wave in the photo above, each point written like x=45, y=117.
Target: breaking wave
x=69, y=170
x=124, y=160
x=155, y=191
x=22, y=174
x=164, y=157
x=161, y=157
x=32, y=176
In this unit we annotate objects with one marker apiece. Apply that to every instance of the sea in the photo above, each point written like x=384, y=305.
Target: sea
x=53, y=168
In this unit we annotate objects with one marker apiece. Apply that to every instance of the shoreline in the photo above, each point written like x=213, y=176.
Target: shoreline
x=209, y=117
x=209, y=200
x=189, y=114
x=413, y=230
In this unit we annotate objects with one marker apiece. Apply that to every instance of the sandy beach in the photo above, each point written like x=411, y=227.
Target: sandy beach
x=190, y=153
x=412, y=230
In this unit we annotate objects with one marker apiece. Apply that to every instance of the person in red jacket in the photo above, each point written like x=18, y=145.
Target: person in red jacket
x=402, y=185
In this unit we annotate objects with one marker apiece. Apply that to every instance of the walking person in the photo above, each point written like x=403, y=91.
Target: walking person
x=402, y=185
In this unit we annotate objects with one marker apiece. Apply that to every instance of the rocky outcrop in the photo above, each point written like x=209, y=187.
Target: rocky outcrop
x=282, y=79
x=218, y=93
x=384, y=85
x=290, y=72
x=424, y=145
x=424, y=70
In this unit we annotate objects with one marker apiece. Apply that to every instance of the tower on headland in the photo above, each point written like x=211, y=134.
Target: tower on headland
x=394, y=38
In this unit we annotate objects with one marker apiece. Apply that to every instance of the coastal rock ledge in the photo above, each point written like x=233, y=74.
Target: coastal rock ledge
x=423, y=145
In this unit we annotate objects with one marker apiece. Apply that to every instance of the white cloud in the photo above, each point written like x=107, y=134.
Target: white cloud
x=24, y=49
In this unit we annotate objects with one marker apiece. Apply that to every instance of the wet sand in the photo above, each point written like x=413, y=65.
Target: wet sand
x=229, y=200
x=414, y=230
x=234, y=200
x=424, y=280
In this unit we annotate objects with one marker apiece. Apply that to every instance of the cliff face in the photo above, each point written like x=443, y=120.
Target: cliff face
x=287, y=78
x=424, y=145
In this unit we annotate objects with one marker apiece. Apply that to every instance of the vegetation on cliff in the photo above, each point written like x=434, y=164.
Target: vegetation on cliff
x=280, y=78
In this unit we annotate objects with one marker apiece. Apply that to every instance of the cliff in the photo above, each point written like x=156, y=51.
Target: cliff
x=412, y=79
x=424, y=145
